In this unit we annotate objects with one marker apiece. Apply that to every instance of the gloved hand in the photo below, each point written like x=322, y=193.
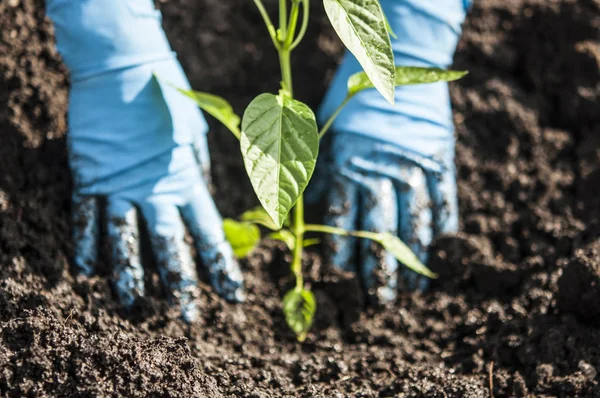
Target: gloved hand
x=142, y=146
x=391, y=168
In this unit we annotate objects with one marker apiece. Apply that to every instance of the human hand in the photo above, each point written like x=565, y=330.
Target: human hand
x=140, y=146
x=391, y=168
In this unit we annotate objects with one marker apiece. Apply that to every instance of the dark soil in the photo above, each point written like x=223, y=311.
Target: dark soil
x=517, y=308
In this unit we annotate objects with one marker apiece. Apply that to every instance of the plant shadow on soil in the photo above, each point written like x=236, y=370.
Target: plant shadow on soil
x=518, y=287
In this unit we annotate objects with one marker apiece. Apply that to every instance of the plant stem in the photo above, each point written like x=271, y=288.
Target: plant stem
x=305, y=15
x=286, y=75
x=284, y=50
x=298, y=248
x=339, y=231
x=286, y=70
x=292, y=24
x=331, y=119
x=268, y=23
x=283, y=19
x=287, y=37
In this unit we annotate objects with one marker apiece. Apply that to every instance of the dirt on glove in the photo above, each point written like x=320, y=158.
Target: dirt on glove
x=515, y=312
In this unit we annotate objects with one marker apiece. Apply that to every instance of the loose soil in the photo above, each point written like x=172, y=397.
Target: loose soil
x=516, y=310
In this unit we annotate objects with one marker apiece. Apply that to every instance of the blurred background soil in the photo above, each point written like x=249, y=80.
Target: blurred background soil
x=516, y=311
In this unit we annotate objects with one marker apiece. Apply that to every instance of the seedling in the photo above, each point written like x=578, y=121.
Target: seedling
x=279, y=138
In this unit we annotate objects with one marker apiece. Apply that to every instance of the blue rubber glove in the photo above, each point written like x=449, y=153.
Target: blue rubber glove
x=142, y=146
x=391, y=168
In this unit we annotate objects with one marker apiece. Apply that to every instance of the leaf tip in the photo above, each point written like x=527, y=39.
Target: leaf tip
x=277, y=219
x=460, y=74
x=391, y=98
x=432, y=275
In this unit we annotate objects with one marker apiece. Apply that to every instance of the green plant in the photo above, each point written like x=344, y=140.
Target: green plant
x=279, y=138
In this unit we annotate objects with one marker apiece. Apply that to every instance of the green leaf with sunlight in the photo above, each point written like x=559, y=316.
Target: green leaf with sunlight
x=217, y=107
x=405, y=75
x=361, y=25
x=242, y=236
x=403, y=253
x=279, y=144
x=299, y=307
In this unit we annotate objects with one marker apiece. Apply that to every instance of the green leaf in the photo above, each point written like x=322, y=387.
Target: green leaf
x=311, y=242
x=259, y=215
x=286, y=236
x=243, y=236
x=299, y=307
x=361, y=26
x=279, y=144
x=405, y=75
x=217, y=107
x=403, y=254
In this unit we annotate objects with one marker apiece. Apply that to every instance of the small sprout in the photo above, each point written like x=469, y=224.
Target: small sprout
x=279, y=139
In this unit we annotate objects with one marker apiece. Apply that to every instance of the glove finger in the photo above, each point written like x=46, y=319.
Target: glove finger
x=418, y=183
x=206, y=226
x=441, y=181
x=415, y=226
x=173, y=256
x=444, y=198
x=123, y=235
x=342, y=212
x=378, y=213
x=442, y=192
x=86, y=232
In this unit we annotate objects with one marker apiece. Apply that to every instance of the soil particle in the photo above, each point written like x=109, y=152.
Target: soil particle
x=579, y=285
x=517, y=286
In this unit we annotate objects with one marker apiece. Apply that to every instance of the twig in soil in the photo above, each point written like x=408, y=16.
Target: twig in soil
x=491, y=378
x=345, y=378
x=70, y=316
x=390, y=372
